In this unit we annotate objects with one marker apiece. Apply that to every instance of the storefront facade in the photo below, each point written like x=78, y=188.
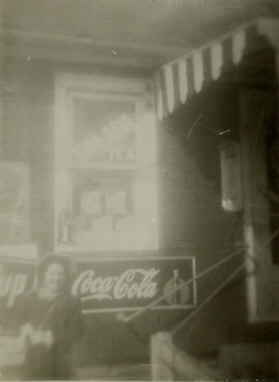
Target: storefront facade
x=134, y=156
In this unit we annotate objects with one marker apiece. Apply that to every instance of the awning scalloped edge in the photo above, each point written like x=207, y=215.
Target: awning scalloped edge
x=177, y=80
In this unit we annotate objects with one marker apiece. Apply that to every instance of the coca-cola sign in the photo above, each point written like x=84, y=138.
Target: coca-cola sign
x=129, y=283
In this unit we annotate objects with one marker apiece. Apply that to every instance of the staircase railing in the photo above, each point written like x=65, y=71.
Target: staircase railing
x=167, y=361
x=182, y=285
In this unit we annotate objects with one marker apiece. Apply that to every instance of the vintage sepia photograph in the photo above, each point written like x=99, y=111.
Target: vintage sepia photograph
x=139, y=190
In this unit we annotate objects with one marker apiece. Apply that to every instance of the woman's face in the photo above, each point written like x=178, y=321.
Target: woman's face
x=54, y=278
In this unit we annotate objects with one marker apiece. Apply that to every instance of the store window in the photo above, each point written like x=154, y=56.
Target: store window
x=14, y=203
x=105, y=164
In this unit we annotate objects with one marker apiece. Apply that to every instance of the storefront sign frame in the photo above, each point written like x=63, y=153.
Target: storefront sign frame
x=140, y=260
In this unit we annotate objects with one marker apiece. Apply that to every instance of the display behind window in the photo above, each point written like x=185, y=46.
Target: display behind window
x=105, y=159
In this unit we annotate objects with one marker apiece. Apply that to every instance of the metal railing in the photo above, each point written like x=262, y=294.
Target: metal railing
x=182, y=285
x=203, y=273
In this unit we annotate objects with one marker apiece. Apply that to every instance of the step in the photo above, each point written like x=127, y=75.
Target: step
x=119, y=372
x=249, y=360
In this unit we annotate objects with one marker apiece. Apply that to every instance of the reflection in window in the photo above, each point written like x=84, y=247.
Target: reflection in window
x=106, y=179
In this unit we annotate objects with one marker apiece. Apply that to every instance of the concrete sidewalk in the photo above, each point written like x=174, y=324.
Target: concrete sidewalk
x=122, y=372
x=128, y=372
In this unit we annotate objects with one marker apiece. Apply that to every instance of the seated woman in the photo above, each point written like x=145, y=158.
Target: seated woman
x=51, y=323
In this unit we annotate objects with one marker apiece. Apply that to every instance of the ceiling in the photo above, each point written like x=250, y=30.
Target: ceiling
x=143, y=33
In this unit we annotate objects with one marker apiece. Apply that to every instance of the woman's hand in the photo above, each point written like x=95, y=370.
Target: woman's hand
x=35, y=336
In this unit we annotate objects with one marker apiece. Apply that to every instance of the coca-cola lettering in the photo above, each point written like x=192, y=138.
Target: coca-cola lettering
x=131, y=284
x=144, y=288
x=86, y=284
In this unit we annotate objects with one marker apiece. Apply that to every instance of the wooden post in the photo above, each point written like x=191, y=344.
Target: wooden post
x=263, y=276
x=256, y=207
x=161, y=357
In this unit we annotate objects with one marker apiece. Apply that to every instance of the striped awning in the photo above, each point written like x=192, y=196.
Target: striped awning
x=176, y=81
